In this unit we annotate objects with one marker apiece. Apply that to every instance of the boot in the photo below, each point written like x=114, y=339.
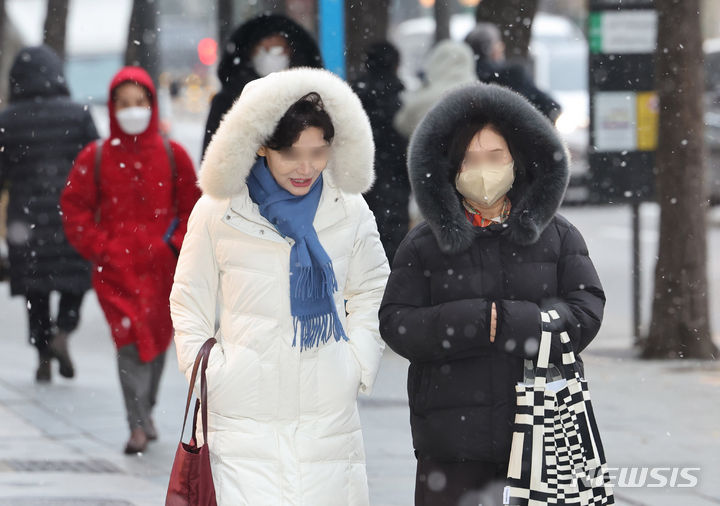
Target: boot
x=59, y=349
x=44, y=371
x=137, y=442
x=151, y=431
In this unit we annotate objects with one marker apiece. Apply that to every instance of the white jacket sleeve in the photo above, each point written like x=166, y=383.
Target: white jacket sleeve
x=367, y=275
x=193, y=299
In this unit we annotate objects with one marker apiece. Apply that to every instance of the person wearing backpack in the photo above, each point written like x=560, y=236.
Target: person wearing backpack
x=125, y=208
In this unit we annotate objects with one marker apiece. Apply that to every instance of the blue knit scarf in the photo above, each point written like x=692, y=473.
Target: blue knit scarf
x=312, y=279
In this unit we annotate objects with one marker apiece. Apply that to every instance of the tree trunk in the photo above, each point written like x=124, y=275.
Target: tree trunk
x=442, y=20
x=514, y=19
x=271, y=6
x=142, y=43
x=680, y=326
x=305, y=12
x=366, y=21
x=225, y=21
x=2, y=28
x=55, y=26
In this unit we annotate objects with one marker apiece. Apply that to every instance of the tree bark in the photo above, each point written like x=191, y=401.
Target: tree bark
x=366, y=21
x=56, y=26
x=680, y=326
x=2, y=28
x=514, y=19
x=442, y=20
x=142, y=43
x=225, y=20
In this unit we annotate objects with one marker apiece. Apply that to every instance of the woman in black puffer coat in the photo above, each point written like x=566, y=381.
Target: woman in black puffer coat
x=467, y=287
x=379, y=90
x=41, y=132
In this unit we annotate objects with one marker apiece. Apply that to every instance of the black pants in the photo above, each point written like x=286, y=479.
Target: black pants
x=40, y=320
x=469, y=483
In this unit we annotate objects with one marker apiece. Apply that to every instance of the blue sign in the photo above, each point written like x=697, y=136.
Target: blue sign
x=332, y=35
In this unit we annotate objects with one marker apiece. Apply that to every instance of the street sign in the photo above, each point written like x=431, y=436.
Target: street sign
x=623, y=102
x=624, y=112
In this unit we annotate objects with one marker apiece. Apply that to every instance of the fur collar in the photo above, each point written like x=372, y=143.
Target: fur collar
x=254, y=116
x=541, y=161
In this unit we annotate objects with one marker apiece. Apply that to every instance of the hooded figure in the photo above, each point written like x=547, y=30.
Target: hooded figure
x=379, y=90
x=267, y=43
x=127, y=213
x=486, y=42
x=467, y=287
x=41, y=132
x=449, y=64
x=283, y=264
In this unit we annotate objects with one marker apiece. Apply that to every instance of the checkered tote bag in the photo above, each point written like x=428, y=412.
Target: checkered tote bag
x=556, y=455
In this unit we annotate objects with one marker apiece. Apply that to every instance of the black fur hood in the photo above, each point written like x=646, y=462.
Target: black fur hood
x=541, y=164
x=236, y=62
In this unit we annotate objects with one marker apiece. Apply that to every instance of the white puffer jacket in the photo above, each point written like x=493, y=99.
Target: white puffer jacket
x=283, y=424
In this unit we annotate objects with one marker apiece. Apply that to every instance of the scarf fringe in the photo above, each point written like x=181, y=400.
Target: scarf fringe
x=308, y=287
x=317, y=329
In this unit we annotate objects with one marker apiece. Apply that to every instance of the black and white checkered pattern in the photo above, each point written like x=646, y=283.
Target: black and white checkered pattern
x=556, y=457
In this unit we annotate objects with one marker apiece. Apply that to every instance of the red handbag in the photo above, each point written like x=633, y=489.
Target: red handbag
x=191, y=481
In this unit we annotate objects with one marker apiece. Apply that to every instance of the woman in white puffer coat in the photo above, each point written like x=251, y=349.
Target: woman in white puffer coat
x=282, y=262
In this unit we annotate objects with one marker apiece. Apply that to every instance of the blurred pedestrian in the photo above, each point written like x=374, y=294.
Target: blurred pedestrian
x=467, y=287
x=41, y=132
x=486, y=42
x=379, y=89
x=267, y=43
x=284, y=258
x=449, y=64
x=125, y=209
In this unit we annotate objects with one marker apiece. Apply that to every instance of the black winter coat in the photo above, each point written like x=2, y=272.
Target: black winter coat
x=517, y=79
x=447, y=273
x=236, y=69
x=388, y=198
x=41, y=132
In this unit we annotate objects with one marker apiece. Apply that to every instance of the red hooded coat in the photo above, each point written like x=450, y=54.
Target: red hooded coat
x=132, y=243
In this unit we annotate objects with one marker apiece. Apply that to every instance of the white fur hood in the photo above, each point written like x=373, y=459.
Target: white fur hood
x=255, y=114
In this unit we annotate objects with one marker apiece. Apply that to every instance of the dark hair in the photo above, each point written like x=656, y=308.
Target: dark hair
x=482, y=39
x=305, y=113
x=131, y=81
x=382, y=58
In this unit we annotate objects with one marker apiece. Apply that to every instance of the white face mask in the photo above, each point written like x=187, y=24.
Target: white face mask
x=134, y=120
x=267, y=61
x=485, y=184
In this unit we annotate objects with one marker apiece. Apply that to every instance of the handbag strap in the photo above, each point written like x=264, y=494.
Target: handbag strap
x=173, y=172
x=202, y=357
x=568, y=356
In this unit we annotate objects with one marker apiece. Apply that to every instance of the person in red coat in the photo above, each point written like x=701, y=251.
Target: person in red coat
x=125, y=209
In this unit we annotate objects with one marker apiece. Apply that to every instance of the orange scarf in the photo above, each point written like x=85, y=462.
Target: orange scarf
x=475, y=217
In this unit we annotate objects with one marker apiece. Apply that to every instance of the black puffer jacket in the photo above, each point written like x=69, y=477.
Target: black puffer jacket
x=447, y=273
x=236, y=68
x=41, y=133
x=516, y=78
x=388, y=199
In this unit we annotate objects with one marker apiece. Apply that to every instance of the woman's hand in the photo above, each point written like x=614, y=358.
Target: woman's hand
x=493, y=322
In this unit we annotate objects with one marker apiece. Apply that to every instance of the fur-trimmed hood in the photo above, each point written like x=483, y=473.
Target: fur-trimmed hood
x=254, y=116
x=236, y=61
x=541, y=164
